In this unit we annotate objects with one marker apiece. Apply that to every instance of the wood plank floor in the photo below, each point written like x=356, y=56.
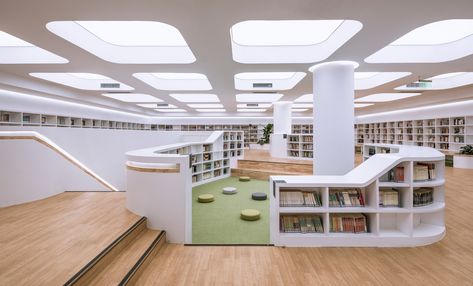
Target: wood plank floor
x=47, y=241
x=449, y=262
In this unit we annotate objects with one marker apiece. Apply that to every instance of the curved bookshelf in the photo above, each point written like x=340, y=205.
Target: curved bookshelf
x=395, y=198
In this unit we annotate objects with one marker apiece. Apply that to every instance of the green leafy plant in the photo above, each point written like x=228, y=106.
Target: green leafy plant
x=467, y=150
x=267, y=130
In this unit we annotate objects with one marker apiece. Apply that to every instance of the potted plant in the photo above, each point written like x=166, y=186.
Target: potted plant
x=464, y=159
x=267, y=130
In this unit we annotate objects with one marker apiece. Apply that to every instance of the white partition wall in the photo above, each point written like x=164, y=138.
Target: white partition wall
x=334, y=118
x=282, y=125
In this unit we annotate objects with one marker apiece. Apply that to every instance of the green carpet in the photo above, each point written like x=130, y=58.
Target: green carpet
x=219, y=222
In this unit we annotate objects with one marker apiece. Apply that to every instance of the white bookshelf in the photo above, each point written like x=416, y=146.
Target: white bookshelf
x=300, y=146
x=401, y=226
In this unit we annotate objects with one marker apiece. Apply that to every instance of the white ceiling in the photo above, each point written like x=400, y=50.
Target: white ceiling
x=205, y=26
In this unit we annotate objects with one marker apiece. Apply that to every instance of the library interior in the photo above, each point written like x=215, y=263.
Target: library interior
x=302, y=142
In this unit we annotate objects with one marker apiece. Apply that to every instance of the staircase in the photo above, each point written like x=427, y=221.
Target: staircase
x=263, y=169
x=123, y=260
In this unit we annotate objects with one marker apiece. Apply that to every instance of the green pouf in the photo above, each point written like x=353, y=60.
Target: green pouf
x=205, y=198
x=244, y=179
x=250, y=214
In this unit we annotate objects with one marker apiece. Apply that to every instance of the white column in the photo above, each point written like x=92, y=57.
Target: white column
x=334, y=116
x=282, y=120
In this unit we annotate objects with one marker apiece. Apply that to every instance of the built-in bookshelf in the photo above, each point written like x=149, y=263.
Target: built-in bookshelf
x=445, y=134
x=300, y=146
x=382, y=202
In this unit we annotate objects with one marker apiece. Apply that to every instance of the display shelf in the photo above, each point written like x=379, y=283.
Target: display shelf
x=300, y=146
x=389, y=214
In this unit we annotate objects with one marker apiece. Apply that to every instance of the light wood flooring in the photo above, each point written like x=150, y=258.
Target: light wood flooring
x=47, y=241
x=449, y=262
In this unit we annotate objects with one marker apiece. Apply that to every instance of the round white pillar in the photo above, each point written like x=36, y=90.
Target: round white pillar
x=282, y=120
x=334, y=118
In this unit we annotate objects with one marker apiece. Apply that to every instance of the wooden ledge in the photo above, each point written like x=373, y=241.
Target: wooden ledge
x=175, y=169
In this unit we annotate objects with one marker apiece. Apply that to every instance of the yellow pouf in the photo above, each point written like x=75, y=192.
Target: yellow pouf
x=205, y=198
x=250, y=214
x=244, y=179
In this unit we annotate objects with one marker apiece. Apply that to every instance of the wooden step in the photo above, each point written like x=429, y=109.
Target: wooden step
x=122, y=258
x=295, y=167
x=262, y=174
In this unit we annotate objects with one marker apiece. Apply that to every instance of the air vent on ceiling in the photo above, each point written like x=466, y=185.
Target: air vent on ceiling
x=252, y=104
x=262, y=85
x=109, y=85
x=264, y=92
x=162, y=104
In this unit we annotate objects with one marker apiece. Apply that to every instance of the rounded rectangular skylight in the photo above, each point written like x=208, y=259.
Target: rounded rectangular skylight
x=267, y=80
x=385, y=97
x=443, y=81
x=258, y=97
x=132, y=97
x=302, y=105
x=305, y=98
x=211, y=110
x=85, y=81
x=194, y=97
x=179, y=110
x=299, y=109
x=361, y=105
x=14, y=50
x=206, y=105
x=127, y=42
x=249, y=110
x=435, y=42
x=289, y=41
x=175, y=81
x=368, y=80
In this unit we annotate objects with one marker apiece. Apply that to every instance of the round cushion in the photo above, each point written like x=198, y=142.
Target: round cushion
x=244, y=179
x=249, y=214
x=229, y=190
x=205, y=198
x=259, y=196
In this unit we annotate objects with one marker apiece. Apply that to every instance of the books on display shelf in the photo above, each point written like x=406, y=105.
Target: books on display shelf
x=348, y=223
x=5, y=117
x=217, y=164
x=301, y=224
x=423, y=197
x=389, y=198
x=207, y=157
x=346, y=198
x=396, y=174
x=424, y=171
x=299, y=199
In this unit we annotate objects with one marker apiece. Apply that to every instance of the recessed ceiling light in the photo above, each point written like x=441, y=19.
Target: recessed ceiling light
x=127, y=42
x=258, y=97
x=302, y=105
x=251, y=110
x=14, y=50
x=211, y=110
x=361, y=105
x=85, y=81
x=133, y=97
x=267, y=80
x=195, y=97
x=305, y=98
x=170, y=110
x=206, y=105
x=289, y=41
x=175, y=81
x=158, y=105
x=299, y=109
x=254, y=105
x=436, y=42
x=442, y=81
x=367, y=80
x=384, y=97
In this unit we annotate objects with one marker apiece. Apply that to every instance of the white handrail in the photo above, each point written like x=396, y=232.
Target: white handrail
x=32, y=135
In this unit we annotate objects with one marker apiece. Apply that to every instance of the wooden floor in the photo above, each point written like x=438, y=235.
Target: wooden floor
x=449, y=262
x=47, y=241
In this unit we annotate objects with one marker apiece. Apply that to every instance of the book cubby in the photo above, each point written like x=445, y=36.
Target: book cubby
x=396, y=222
x=300, y=146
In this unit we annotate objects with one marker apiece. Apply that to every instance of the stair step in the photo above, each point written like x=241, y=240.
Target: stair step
x=289, y=167
x=114, y=272
x=262, y=174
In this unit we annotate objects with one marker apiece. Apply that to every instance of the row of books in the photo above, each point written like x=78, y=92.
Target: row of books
x=207, y=156
x=301, y=223
x=423, y=197
x=389, y=198
x=348, y=223
x=396, y=174
x=346, y=198
x=299, y=199
x=424, y=171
